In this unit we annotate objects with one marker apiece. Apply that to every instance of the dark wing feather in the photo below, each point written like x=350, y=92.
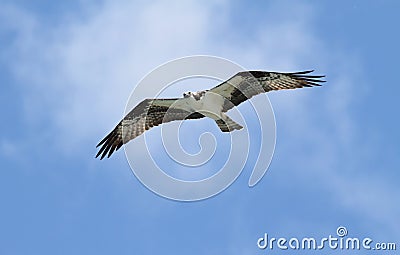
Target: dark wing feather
x=245, y=85
x=147, y=114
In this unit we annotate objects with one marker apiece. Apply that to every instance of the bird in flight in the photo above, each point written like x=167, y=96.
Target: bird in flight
x=212, y=103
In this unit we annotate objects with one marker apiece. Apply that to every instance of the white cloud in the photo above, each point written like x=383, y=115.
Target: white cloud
x=81, y=70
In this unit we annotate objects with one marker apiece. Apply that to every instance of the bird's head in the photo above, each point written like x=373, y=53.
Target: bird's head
x=196, y=95
x=187, y=94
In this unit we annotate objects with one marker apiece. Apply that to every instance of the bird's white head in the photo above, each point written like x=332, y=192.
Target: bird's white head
x=196, y=95
x=187, y=94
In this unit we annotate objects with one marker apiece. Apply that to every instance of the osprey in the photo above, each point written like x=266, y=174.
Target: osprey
x=213, y=103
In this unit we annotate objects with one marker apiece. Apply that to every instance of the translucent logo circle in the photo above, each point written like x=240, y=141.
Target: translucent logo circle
x=193, y=159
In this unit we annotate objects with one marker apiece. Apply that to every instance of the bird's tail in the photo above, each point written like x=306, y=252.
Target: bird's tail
x=228, y=125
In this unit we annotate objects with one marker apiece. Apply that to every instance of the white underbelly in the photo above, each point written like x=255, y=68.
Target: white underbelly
x=210, y=105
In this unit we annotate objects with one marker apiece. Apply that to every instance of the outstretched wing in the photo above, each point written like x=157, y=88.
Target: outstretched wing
x=245, y=85
x=147, y=114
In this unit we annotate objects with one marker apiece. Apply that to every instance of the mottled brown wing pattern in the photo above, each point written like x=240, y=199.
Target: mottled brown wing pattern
x=245, y=85
x=144, y=116
x=239, y=88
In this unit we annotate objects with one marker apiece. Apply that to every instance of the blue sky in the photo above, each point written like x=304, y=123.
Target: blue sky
x=67, y=69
